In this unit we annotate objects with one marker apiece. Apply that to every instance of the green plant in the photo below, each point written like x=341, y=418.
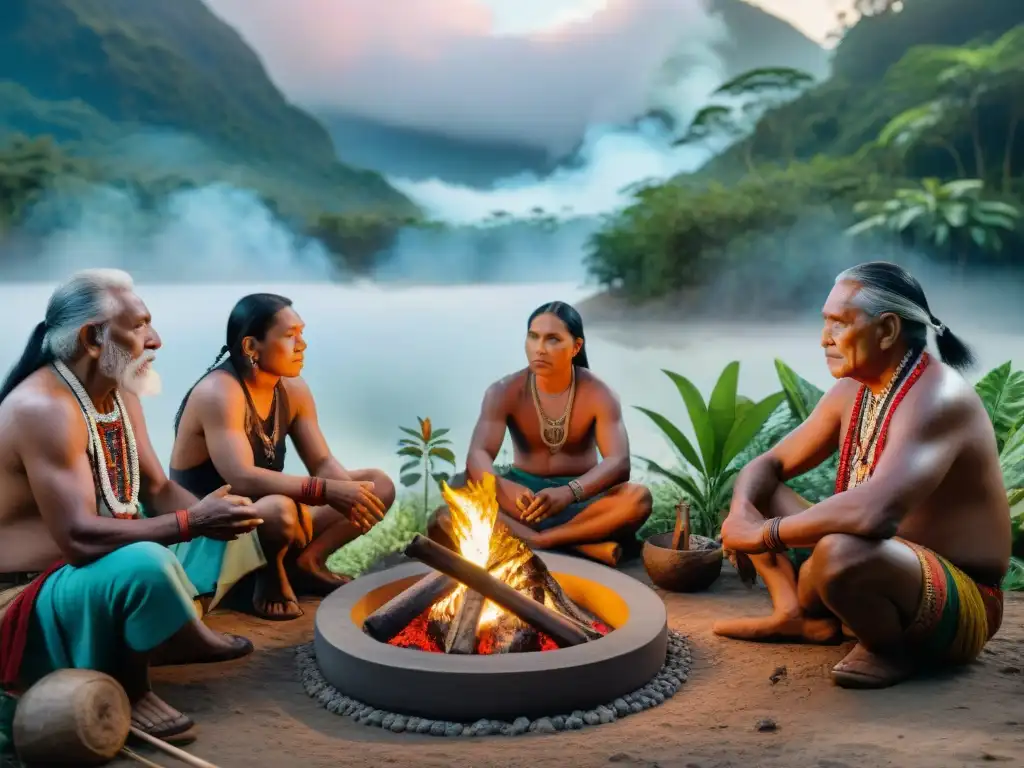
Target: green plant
x=423, y=448
x=966, y=75
x=950, y=216
x=722, y=427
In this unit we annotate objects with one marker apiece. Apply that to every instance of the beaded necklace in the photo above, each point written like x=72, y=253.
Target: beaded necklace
x=113, y=452
x=869, y=426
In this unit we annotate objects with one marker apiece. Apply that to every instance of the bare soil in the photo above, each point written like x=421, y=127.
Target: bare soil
x=253, y=712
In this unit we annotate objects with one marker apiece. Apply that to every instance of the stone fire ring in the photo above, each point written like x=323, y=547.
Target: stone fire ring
x=635, y=667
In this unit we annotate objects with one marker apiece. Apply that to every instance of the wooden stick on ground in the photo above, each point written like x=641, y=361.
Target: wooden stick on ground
x=131, y=753
x=564, y=631
x=171, y=750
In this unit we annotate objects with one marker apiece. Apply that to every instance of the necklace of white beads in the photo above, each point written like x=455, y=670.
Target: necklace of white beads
x=118, y=508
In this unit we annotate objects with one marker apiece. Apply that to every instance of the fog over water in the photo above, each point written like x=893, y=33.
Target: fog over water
x=380, y=357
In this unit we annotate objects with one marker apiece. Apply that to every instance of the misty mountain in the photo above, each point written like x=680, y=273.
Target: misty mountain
x=410, y=153
x=92, y=72
x=760, y=39
x=756, y=38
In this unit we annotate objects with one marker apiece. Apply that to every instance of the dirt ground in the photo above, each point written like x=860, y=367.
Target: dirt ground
x=253, y=712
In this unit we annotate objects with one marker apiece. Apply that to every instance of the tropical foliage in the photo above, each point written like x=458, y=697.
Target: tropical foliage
x=894, y=149
x=1001, y=391
x=422, y=448
x=723, y=427
x=948, y=217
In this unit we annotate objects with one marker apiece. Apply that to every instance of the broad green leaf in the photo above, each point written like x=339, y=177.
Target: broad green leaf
x=698, y=416
x=445, y=454
x=413, y=432
x=435, y=443
x=1002, y=393
x=410, y=480
x=675, y=436
x=801, y=395
x=743, y=404
x=685, y=483
x=1011, y=459
x=743, y=431
x=438, y=433
x=441, y=477
x=873, y=222
x=407, y=466
x=955, y=214
x=407, y=441
x=411, y=450
x=722, y=412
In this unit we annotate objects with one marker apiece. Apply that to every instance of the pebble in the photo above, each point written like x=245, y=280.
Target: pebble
x=544, y=725
x=665, y=684
x=766, y=725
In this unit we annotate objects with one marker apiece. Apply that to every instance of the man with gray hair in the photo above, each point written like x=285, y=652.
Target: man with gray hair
x=85, y=580
x=910, y=552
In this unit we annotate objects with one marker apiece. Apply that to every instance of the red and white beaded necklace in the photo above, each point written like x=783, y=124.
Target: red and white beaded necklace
x=106, y=461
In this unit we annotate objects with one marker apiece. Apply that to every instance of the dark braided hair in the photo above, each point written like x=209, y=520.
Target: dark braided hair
x=252, y=315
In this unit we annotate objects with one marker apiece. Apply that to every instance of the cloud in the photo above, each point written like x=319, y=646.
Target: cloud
x=435, y=64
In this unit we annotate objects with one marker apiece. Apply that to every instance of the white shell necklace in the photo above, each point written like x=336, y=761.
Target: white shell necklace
x=118, y=508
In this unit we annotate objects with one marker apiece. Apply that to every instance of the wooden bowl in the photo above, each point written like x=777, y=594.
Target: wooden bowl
x=682, y=570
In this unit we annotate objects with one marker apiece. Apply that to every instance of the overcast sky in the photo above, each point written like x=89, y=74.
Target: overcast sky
x=533, y=71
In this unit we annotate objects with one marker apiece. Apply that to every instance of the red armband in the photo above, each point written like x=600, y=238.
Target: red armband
x=183, y=526
x=314, y=492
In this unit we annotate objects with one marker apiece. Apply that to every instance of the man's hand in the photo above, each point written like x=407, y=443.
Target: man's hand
x=743, y=530
x=547, y=503
x=513, y=497
x=356, y=500
x=223, y=516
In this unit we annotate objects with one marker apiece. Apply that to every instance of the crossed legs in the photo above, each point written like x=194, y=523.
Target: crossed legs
x=873, y=587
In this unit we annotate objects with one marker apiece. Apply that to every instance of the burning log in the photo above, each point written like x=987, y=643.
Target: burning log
x=396, y=614
x=461, y=637
x=564, y=631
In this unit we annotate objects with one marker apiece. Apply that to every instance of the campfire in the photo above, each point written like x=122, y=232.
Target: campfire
x=493, y=596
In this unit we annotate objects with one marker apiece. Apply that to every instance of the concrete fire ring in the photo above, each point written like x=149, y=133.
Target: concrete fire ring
x=507, y=686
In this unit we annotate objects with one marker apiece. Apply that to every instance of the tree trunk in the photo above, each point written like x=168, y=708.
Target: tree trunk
x=1011, y=136
x=979, y=151
x=961, y=169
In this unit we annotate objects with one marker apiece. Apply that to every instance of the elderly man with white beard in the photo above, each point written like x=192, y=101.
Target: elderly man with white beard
x=86, y=580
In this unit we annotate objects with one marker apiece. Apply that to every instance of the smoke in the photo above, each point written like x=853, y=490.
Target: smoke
x=438, y=64
x=213, y=233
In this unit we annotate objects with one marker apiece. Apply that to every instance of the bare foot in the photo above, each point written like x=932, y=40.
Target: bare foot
x=273, y=597
x=780, y=629
x=863, y=669
x=316, y=577
x=195, y=643
x=155, y=717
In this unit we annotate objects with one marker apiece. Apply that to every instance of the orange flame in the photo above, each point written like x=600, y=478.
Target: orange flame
x=474, y=513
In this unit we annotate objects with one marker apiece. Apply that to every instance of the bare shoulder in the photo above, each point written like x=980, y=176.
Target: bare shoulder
x=840, y=395
x=590, y=386
x=42, y=410
x=218, y=390
x=504, y=392
x=947, y=398
x=298, y=391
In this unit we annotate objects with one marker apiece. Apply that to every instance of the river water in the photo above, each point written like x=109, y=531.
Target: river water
x=379, y=357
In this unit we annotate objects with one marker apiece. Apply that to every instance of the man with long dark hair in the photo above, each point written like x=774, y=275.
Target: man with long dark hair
x=233, y=427
x=910, y=552
x=558, y=493
x=86, y=581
